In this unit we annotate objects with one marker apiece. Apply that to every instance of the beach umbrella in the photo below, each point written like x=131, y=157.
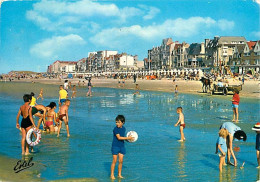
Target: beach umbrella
x=175, y=70
x=179, y=72
x=190, y=70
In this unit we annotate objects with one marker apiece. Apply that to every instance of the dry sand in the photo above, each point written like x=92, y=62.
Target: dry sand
x=250, y=88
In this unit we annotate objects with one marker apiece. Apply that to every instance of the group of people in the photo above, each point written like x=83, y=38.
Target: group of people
x=51, y=121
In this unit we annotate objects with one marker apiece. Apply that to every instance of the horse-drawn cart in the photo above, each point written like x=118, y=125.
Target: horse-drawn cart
x=225, y=89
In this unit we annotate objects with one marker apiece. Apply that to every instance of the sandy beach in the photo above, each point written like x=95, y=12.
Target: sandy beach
x=250, y=89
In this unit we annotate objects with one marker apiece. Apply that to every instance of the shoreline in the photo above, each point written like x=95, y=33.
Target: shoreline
x=250, y=89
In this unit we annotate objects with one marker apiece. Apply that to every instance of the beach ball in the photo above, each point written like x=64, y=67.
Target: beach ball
x=133, y=134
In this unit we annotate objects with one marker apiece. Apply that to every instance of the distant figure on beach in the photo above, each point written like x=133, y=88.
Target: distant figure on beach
x=181, y=122
x=33, y=101
x=79, y=84
x=256, y=128
x=66, y=85
x=89, y=93
x=134, y=78
x=173, y=79
x=63, y=94
x=123, y=82
x=119, y=82
x=51, y=116
x=221, y=146
x=27, y=122
x=64, y=116
x=35, y=112
x=235, y=104
x=118, y=146
x=40, y=94
x=74, y=91
x=137, y=89
x=233, y=132
x=176, y=90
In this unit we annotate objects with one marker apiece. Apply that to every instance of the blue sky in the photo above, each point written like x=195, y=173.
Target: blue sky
x=34, y=34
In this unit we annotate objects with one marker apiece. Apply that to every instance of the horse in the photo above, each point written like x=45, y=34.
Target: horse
x=206, y=84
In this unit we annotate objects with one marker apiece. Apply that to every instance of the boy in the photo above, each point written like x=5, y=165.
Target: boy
x=118, y=147
x=33, y=101
x=182, y=124
x=64, y=116
x=63, y=94
x=221, y=145
x=27, y=122
x=257, y=142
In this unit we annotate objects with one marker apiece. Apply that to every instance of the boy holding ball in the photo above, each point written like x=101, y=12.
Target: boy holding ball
x=118, y=146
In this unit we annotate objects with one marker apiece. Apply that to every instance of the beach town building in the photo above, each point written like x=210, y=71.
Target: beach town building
x=62, y=66
x=219, y=51
x=161, y=56
x=180, y=55
x=250, y=59
x=196, y=55
x=167, y=56
x=81, y=65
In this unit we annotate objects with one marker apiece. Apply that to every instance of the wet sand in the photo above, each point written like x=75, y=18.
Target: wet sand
x=251, y=89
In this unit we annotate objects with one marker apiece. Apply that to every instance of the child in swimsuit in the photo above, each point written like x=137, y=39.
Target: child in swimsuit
x=64, y=117
x=51, y=116
x=27, y=122
x=181, y=122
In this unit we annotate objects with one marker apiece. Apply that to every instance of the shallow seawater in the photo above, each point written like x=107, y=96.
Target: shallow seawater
x=156, y=156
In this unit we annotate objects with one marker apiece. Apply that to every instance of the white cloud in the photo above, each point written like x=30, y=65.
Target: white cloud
x=56, y=15
x=256, y=34
x=53, y=47
x=177, y=28
x=257, y=1
x=152, y=13
x=225, y=24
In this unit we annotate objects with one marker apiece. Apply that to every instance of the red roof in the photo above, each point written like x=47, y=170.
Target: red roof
x=251, y=44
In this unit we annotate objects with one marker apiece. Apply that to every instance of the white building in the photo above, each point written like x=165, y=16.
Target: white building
x=126, y=61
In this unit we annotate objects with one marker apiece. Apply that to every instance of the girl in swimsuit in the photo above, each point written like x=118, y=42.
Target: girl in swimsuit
x=27, y=122
x=51, y=116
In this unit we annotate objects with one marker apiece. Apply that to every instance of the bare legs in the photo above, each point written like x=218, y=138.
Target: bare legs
x=235, y=114
x=67, y=127
x=120, y=164
x=182, y=134
x=24, y=143
x=221, y=162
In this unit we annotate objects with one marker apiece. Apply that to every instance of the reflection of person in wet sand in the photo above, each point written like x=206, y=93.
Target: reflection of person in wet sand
x=64, y=116
x=137, y=89
x=181, y=160
x=27, y=122
x=181, y=122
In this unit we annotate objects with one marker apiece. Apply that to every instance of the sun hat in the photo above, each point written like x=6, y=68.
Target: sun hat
x=256, y=127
